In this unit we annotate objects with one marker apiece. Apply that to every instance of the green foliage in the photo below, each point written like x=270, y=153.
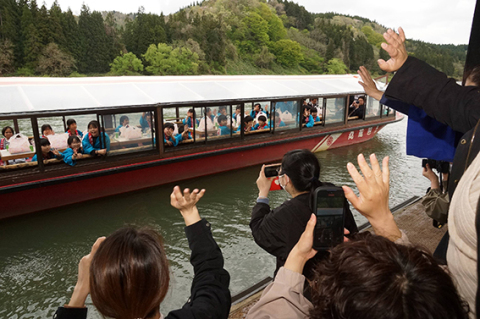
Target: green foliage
x=6, y=57
x=264, y=59
x=126, y=64
x=54, y=62
x=25, y=71
x=288, y=53
x=75, y=74
x=335, y=66
x=373, y=37
x=164, y=60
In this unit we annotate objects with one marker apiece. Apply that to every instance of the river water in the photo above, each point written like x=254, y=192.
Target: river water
x=39, y=253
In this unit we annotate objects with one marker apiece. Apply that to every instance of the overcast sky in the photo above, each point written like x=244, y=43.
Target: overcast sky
x=437, y=21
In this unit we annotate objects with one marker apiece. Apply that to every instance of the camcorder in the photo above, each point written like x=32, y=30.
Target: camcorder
x=329, y=208
x=439, y=166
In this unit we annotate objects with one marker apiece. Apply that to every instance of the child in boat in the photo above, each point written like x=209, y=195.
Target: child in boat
x=314, y=113
x=47, y=130
x=47, y=151
x=7, y=132
x=72, y=128
x=190, y=119
x=248, y=124
x=146, y=121
x=278, y=121
x=95, y=142
x=307, y=118
x=209, y=117
x=123, y=122
x=262, y=123
x=238, y=116
x=257, y=111
x=74, y=150
x=169, y=139
x=225, y=129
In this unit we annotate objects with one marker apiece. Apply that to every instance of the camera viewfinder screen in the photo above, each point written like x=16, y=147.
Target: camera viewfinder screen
x=329, y=228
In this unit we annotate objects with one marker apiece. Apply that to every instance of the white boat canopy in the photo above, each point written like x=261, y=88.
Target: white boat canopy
x=39, y=95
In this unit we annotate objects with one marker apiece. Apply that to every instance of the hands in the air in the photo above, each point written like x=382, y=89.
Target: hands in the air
x=395, y=48
x=186, y=203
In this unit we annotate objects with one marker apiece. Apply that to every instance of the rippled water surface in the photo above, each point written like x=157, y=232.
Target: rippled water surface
x=39, y=253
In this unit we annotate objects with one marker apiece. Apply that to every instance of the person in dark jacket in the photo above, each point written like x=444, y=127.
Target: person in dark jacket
x=278, y=230
x=127, y=273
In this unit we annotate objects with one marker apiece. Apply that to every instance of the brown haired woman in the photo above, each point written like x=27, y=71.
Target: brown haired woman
x=127, y=273
x=367, y=277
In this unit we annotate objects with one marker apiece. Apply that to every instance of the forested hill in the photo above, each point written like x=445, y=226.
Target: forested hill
x=211, y=37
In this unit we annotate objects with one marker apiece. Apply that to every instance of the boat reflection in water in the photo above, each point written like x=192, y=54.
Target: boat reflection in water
x=140, y=160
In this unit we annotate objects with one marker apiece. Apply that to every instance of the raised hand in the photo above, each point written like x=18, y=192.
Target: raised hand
x=368, y=84
x=303, y=250
x=263, y=183
x=395, y=48
x=82, y=288
x=373, y=199
x=186, y=203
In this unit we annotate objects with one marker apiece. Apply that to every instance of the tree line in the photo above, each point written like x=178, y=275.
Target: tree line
x=211, y=37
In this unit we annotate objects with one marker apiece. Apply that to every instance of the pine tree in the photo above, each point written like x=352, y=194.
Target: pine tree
x=31, y=40
x=72, y=35
x=56, y=26
x=10, y=14
x=42, y=24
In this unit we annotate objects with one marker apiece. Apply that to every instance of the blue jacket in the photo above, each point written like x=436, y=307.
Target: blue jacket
x=90, y=149
x=426, y=137
x=310, y=121
x=317, y=119
x=118, y=128
x=174, y=139
x=79, y=133
x=50, y=155
x=224, y=130
x=188, y=121
x=67, y=156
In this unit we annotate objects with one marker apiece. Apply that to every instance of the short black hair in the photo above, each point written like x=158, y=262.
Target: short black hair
x=123, y=118
x=180, y=128
x=221, y=118
x=73, y=138
x=262, y=118
x=259, y=105
x=247, y=119
x=362, y=97
x=70, y=122
x=191, y=111
x=46, y=127
x=94, y=123
x=313, y=110
x=169, y=125
x=6, y=128
x=223, y=107
x=207, y=109
x=44, y=141
x=239, y=107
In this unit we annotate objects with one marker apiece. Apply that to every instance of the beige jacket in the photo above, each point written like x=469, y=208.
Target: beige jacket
x=283, y=298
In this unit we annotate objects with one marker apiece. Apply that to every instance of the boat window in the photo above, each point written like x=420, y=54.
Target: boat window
x=16, y=154
x=373, y=108
x=286, y=112
x=335, y=110
x=130, y=132
x=311, y=108
x=179, y=125
x=259, y=111
x=386, y=111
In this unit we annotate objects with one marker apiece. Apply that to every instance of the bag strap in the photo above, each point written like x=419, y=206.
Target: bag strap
x=470, y=146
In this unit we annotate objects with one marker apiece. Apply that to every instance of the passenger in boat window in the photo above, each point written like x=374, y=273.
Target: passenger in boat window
x=238, y=116
x=248, y=124
x=190, y=119
x=209, y=121
x=223, y=111
x=257, y=111
x=7, y=132
x=278, y=121
x=124, y=120
x=169, y=138
x=314, y=113
x=72, y=128
x=94, y=140
x=74, y=150
x=185, y=134
x=47, y=151
x=262, y=123
x=358, y=108
x=47, y=130
x=307, y=119
x=225, y=127
x=146, y=122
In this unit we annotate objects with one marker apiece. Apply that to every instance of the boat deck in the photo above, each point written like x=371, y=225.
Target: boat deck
x=410, y=218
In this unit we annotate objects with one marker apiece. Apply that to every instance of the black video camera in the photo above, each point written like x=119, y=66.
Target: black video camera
x=440, y=166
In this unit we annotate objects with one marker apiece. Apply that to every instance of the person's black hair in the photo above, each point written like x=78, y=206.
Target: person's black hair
x=169, y=125
x=473, y=74
x=207, y=109
x=93, y=123
x=362, y=97
x=192, y=111
x=221, y=118
x=259, y=105
x=6, y=128
x=313, y=110
x=223, y=107
x=239, y=107
x=44, y=141
x=262, y=118
x=247, y=119
x=70, y=122
x=72, y=139
x=180, y=128
x=123, y=118
x=45, y=127
x=303, y=169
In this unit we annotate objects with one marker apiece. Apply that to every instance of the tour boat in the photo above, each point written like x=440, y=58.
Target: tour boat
x=147, y=103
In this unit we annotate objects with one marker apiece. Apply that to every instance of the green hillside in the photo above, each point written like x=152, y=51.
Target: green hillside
x=211, y=37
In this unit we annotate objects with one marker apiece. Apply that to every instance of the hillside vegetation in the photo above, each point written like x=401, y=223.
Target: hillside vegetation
x=211, y=37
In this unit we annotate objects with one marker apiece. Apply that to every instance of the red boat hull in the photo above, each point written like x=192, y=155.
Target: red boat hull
x=108, y=182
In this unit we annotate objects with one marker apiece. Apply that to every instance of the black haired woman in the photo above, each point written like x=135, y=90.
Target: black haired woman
x=278, y=230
